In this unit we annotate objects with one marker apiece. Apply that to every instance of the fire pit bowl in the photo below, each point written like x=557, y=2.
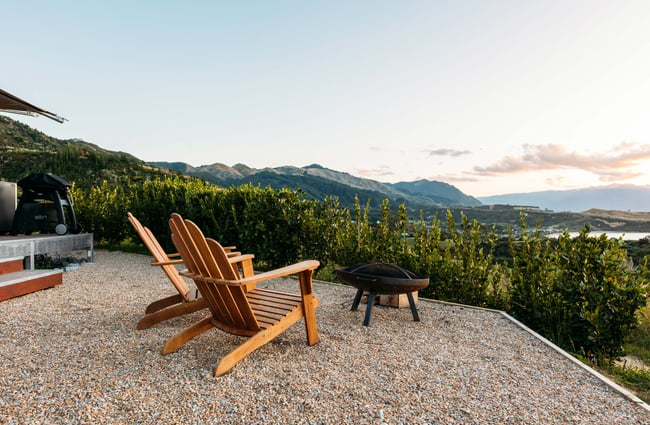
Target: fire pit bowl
x=381, y=278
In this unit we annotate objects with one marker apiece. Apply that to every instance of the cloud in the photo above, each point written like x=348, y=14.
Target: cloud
x=614, y=165
x=455, y=178
x=381, y=171
x=558, y=181
x=446, y=152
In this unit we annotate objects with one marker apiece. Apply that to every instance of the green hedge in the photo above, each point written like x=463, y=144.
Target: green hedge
x=582, y=293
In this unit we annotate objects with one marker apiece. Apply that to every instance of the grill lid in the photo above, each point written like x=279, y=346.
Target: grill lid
x=44, y=181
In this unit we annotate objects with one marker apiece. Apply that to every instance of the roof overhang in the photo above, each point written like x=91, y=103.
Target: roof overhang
x=15, y=105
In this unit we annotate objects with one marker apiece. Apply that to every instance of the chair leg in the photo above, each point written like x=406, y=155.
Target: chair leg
x=308, y=306
x=162, y=303
x=178, y=310
x=177, y=341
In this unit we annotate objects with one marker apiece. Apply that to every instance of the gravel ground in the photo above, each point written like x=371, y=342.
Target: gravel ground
x=72, y=355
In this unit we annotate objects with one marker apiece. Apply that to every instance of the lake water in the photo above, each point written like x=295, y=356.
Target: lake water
x=627, y=236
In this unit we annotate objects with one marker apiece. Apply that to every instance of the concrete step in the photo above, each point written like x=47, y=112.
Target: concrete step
x=23, y=282
x=11, y=264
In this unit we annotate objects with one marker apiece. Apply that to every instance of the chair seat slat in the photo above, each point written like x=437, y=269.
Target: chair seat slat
x=272, y=302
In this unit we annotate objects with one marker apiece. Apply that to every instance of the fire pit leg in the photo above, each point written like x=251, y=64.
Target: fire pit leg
x=357, y=300
x=371, y=301
x=416, y=316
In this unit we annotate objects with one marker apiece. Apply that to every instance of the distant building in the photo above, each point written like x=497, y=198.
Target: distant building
x=530, y=208
x=527, y=208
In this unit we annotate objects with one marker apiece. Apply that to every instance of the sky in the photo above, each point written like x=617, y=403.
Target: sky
x=491, y=96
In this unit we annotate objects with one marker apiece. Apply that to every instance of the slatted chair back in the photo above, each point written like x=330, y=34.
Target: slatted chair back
x=161, y=258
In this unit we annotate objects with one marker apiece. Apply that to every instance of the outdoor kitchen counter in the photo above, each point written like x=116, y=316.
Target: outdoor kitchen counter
x=28, y=246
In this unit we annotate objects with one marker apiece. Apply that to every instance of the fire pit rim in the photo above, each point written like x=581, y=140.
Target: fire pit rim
x=381, y=284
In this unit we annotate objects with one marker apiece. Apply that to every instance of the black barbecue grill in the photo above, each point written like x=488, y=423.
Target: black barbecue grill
x=45, y=206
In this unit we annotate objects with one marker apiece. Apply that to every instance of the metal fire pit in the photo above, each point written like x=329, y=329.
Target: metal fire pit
x=381, y=278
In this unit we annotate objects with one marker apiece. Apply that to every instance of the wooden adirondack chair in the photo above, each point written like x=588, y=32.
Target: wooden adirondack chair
x=188, y=300
x=237, y=305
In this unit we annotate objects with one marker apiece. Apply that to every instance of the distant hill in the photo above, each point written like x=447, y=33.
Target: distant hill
x=317, y=182
x=624, y=197
x=443, y=193
x=24, y=150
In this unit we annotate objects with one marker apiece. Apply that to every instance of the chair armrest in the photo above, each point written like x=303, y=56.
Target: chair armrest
x=240, y=257
x=166, y=263
x=273, y=274
x=244, y=266
x=281, y=272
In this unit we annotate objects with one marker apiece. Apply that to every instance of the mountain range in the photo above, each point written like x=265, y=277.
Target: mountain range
x=615, y=197
x=555, y=209
x=24, y=150
x=319, y=182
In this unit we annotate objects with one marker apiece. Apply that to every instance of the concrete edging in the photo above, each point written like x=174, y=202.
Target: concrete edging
x=604, y=379
x=616, y=387
x=607, y=381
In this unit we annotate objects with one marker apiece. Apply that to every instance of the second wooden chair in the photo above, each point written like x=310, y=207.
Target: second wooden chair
x=187, y=300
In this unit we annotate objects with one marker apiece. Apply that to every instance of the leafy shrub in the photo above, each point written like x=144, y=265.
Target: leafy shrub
x=322, y=223
x=531, y=275
x=102, y=211
x=581, y=292
x=279, y=226
x=599, y=293
x=458, y=267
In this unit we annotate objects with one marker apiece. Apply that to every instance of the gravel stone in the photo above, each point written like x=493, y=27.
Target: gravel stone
x=71, y=355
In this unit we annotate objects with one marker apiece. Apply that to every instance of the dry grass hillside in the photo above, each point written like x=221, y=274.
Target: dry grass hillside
x=619, y=215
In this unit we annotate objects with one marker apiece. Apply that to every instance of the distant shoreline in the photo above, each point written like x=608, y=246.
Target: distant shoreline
x=626, y=236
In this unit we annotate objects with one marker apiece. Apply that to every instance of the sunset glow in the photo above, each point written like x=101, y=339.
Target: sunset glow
x=493, y=97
